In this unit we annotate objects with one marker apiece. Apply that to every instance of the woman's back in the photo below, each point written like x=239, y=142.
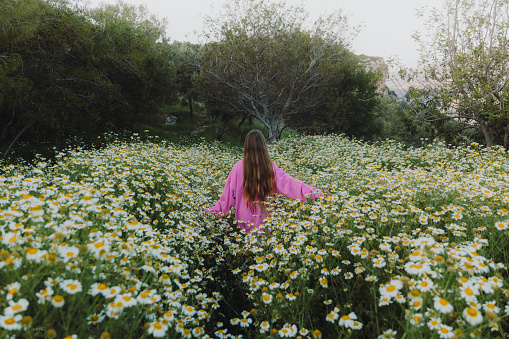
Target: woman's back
x=250, y=216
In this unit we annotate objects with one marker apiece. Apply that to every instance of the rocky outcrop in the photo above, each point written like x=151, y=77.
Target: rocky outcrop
x=377, y=64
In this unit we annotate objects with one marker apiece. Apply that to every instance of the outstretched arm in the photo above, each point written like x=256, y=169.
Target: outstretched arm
x=228, y=198
x=294, y=188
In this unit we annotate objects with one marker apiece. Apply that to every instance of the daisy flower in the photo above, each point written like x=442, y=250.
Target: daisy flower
x=68, y=252
x=347, y=320
x=491, y=306
x=416, y=303
x=291, y=296
x=126, y=299
x=391, y=289
x=417, y=320
x=44, y=295
x=16, y=307
x=198, y=332
x=288, y=331
x=424, y=285
x=442, y=305
x=71, y=286
x=434, y=323
x=331, y=317
x=157, y=329
x=12, y=289
x=264, y=326
x=303, y=332
x=245, y=322
x=469, y=292
x=472, y=315
x=57, y=301
x=387, y=334
x=97, y=288
x=445, y=331
x=10, y=322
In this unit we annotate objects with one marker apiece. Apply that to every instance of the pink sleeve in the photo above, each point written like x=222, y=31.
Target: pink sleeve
x=294, y=188
x=227, y=200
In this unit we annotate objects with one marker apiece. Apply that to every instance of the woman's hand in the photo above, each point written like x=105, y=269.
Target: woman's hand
x=212, y=214
x=324, y=193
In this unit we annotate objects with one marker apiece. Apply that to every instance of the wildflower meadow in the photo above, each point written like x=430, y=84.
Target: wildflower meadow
x=115, y=243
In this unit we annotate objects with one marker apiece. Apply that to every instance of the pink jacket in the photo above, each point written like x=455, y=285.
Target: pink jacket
x=232, y=195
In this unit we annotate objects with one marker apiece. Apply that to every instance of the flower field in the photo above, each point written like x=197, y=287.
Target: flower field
x=114, y=243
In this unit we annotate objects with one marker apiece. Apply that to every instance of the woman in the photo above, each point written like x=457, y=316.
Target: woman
x=252, y=180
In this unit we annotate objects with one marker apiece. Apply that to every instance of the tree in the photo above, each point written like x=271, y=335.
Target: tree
x=139, y=58
x=268, y=60
x=18, y=21
x=68, y=93
x=139, y=17
x=465, y=67
x=348, y=100
x=187, y=71
x=83, y=78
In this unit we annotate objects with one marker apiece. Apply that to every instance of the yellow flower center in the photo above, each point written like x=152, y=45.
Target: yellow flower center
x=472, y=312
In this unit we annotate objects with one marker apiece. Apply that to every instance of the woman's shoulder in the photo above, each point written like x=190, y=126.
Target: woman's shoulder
x=238, y=166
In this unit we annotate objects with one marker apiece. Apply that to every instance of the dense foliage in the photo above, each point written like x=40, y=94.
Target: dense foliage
x=115, y=243
x=70, y=76
x=264, y=60
x=464, y=66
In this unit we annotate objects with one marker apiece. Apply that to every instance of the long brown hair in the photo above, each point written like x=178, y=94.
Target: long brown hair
x=258, y=171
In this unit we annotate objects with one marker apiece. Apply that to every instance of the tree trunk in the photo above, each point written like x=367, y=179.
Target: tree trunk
x=3, y=134
x=132, y=125
x=191, y=106
x=242, y=121
x=488, y=133
x=27, y=126
x=273, y=131
x=506, y=136
x=280, y=132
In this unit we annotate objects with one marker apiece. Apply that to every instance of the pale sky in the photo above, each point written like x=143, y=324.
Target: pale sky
x=386, y=32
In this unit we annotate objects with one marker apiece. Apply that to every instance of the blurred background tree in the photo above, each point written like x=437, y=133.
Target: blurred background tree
x=463, y=78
